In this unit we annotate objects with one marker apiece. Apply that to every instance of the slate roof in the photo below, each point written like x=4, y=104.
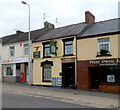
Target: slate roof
x=71, y=30
x=100, y=28
x=7, y=38
x=24, y=36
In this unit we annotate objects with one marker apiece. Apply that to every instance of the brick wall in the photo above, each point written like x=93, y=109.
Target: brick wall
x=110, y=88
x=84, y=79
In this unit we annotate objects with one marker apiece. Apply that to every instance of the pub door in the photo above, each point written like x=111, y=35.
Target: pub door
x=68, y=74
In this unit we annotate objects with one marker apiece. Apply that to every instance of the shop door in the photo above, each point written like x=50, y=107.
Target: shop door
x=17, y=73
x=95, y=77
x=68, y=74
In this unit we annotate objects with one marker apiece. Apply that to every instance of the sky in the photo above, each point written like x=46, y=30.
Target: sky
x=14, y=14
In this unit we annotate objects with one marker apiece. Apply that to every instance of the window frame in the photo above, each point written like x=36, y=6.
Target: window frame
x=26, y=48
x=6, y=71
x=99, y=43
x=12, y=50
x=46, y=43
x=68, y=40
x=47, y=66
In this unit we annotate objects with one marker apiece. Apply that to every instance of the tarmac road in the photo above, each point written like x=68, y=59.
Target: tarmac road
x=49, y=97
x=12, y=100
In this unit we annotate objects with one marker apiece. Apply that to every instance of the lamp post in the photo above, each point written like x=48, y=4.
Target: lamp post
x=29, y=46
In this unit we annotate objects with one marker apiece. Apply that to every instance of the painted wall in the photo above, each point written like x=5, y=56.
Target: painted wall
x=19, y=50
x=87, y=48
x=19, y=57
x=57, y=63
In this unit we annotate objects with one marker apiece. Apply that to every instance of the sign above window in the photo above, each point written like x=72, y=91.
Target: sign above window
x=106, y=62
x=53, y=47
x=36, y=54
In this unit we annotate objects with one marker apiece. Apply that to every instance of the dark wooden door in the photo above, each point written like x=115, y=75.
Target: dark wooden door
x=68, y=74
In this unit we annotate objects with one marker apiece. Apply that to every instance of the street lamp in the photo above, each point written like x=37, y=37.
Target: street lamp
x=29, y=46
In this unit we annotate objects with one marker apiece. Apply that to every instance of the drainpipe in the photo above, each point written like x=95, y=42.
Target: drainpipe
x=76, y=63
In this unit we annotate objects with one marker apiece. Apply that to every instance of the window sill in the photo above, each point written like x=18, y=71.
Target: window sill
x=47, y=81
x=103, y=55
x=47, y=57
x=68, y=55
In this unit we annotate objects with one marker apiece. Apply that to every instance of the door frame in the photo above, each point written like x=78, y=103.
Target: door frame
x=64, y=75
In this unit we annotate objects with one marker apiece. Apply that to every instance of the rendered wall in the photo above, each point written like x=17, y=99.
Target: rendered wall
x=87, y=48
x=57, y=63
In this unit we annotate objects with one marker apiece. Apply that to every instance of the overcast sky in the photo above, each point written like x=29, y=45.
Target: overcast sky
x=14, y=14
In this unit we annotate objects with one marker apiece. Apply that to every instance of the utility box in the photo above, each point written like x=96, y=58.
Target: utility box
x=22, y=77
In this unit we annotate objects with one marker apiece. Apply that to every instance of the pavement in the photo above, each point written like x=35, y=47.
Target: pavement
x=80, y=97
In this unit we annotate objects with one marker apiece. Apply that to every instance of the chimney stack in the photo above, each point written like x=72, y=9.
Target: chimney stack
x=48, y=25
x=19, y=32
x=89, y=18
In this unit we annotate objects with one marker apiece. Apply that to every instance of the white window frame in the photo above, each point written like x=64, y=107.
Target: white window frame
x=26, y=48
x=5, y=70
x=104, y=43
x=12, y=50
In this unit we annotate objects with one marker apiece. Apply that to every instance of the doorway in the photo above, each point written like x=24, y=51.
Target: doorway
x=68, y=75
x=95, y=77
x=18, y=72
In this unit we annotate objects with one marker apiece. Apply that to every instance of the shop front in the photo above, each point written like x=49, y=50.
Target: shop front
x=99, y=75
x=12, y=69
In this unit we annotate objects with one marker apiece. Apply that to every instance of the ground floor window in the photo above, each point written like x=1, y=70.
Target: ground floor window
x=8, y=70
x=47, y=74
x=110, y=75
x=104, y=75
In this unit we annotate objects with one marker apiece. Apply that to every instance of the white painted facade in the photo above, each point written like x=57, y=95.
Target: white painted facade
x=19, y=58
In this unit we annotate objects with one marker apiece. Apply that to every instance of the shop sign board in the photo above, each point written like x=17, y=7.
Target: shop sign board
x=56, y=81
x=59, y=81
x=14, y=60
x=106, y=62
x=36, y=54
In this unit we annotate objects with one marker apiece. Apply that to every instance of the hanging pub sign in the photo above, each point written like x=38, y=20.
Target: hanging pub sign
x=36, y=54
x=53, y=47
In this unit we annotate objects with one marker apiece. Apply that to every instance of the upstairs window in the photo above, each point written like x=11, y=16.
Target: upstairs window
x=26, y=49
x=46, y=49
x=68, y=46
x=12, y=51
x=103, y=46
